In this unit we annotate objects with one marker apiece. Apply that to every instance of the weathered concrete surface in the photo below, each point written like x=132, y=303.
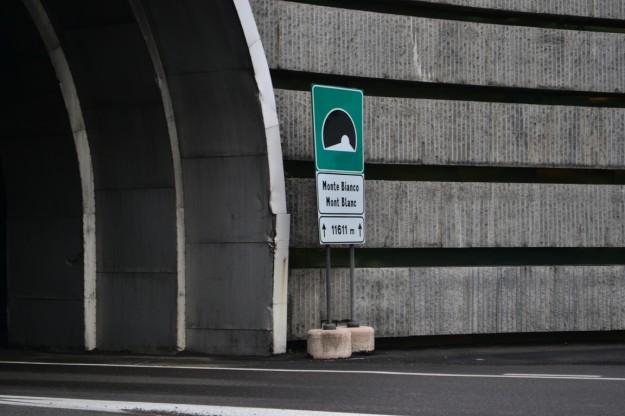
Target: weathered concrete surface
x=438, y=132
x=363, y=339
x=436, y=301
x=329, y=344
x=133, y=176
x=346, y=42
x=610, y=9
x=225, y=173
x=456, y=214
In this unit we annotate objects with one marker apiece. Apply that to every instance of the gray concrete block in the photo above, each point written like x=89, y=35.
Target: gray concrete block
x=136, y=311
x=306, y=301
x=456, y=214
x=229, y=342
x=211, y=40
x=136, y=230
x=439, y=132
x=607, y=9
x=110, y=64
x=227, y=199
x=458, y=300
x=329, y=344
x=227, y=286
x=72, y=14
x=363, y=339
x=130, y=146
x=346, y=42
x=45, y=258
x=50, y=323
x=217, y=114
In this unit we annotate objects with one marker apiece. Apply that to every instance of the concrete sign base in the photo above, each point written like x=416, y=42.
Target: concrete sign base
x=329, y=344
x=363, y=339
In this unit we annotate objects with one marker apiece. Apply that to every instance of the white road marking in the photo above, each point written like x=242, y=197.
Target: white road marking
x=551, y=375
x=122, y=407
x=313, y=371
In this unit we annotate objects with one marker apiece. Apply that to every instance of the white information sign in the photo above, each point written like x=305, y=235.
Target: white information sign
x=341, y=230
x=340, y=194
x=341, y=208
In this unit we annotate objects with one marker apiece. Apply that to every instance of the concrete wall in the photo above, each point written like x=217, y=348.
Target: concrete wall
x=448, y=214
x=134, y=186
x=565, y=211
x=606, y=9
x=346, y=42
x=457, y=300
x=225, y=175
x=441, y=132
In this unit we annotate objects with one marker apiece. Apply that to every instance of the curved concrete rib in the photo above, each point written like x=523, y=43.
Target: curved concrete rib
x=74, y=111
x=146, y=31
x=276, y=173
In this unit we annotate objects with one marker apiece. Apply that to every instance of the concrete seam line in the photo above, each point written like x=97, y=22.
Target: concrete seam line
x=497, y=15
x=299, y=80
x=123, y=407
x=72, y=103
x=172, y=129
x=277, y=188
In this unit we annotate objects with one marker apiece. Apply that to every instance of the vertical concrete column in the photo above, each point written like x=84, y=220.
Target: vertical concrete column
x=142, y=20
x=276, y=174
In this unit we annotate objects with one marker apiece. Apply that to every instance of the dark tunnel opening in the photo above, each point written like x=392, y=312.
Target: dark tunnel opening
x=3, y=266
x=40, y=203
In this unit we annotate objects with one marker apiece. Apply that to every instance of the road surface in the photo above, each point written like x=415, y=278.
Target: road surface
x=531, y=380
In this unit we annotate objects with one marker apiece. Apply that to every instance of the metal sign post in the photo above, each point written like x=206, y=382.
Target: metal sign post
x=328, y=324
x=353, y=323
x=339, y=161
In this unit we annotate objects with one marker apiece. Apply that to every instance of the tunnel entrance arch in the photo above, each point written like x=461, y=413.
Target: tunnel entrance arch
x=219, y=89
x=3, y=267
x=188, y=105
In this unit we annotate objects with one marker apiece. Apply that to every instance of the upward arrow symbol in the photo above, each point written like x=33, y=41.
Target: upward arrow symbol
x=324, y=229
x=360, y=230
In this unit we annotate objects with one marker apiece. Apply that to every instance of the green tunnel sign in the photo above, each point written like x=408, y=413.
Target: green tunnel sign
x=339, y=160
x=337, y=129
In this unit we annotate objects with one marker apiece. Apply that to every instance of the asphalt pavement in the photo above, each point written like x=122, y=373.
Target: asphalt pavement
x=512, y=380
